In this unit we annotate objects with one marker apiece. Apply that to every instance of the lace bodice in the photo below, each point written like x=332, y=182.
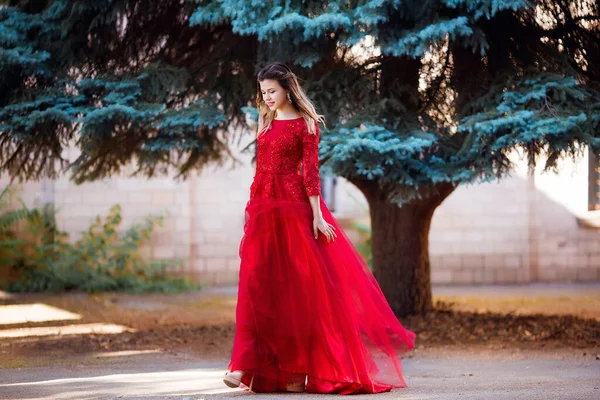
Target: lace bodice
x=282, y=149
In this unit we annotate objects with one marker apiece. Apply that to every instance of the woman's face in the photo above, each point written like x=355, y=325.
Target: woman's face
x=273, y=94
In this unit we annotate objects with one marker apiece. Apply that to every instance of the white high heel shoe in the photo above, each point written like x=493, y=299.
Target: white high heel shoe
x=234, y=379
x=295, y=387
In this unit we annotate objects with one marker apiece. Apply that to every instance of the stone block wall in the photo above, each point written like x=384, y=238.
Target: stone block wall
x=519, y=229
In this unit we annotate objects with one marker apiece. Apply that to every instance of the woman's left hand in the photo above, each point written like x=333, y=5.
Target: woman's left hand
x=319, y=224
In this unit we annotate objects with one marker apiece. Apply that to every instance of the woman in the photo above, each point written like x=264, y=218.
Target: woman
x=310, y=315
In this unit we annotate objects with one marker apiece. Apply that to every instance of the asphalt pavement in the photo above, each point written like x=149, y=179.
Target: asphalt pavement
x=430, y=374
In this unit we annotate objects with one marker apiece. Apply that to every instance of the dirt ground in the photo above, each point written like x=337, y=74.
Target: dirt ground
x=202, y=323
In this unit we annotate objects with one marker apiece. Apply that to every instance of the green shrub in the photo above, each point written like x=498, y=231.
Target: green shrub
x=365, y=246
x=101, y=260
x=8, y=223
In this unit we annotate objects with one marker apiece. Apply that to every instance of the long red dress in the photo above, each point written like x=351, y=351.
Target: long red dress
x=305, y=305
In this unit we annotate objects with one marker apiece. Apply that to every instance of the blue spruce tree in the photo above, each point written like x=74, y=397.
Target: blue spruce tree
x=448, y=89
x=123, y=80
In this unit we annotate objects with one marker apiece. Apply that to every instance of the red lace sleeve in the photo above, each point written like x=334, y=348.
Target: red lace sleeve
x=310, y=162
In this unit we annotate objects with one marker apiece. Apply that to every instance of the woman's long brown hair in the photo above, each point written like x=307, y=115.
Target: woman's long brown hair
x=287, y=79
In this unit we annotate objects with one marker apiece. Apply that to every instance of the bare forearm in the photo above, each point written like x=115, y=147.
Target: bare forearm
x=314, y=204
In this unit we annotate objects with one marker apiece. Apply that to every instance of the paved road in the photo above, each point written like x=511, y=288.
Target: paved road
x=430, y=374
x=180, y=376
x=528, y=290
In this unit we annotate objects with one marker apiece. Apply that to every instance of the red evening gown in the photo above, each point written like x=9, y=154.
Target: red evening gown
x=305, y=305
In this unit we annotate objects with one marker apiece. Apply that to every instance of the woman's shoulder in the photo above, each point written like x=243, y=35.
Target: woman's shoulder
x=303, y=125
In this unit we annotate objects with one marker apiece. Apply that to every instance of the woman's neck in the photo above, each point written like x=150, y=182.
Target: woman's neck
x=287, y=112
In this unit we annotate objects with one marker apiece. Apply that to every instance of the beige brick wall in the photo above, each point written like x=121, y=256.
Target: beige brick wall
x=517, y=229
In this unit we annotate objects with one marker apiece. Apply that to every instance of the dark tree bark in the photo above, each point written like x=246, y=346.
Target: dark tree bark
x=400, y=237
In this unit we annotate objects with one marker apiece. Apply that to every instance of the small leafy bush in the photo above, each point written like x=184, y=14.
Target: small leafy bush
x=365, y=246
x=101, y=260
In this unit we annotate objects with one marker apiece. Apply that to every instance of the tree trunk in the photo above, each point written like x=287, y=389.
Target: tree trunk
x=400, y=239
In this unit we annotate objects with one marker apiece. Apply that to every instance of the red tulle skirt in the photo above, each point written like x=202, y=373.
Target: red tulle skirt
x=311, y=308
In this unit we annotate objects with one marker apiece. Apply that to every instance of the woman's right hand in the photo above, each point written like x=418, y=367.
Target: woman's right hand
x=319, y=224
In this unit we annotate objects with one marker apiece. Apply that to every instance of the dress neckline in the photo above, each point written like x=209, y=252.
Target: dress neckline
x=291, y=119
